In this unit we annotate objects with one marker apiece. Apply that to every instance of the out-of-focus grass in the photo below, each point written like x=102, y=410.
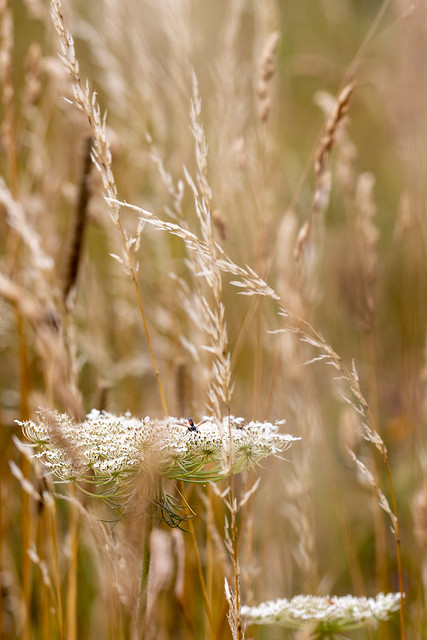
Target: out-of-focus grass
x=386, y=125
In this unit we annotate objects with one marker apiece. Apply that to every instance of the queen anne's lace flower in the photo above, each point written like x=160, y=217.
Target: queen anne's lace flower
x=329, y=614
x=110, y=447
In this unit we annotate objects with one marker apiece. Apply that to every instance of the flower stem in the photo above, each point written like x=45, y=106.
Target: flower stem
x=56, y=573
x=199, y=568
x=72, y=571
x=202, y=580
x=236, y=567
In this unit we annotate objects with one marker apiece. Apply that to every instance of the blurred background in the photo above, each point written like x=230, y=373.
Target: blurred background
x=343, y=244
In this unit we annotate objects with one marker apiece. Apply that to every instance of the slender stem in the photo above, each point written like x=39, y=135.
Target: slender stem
x=140, y=609
x=26, y=470
x=396, y=529
x=398, y=550
x=13, y=242
x=101, y=155
x=8, y=98
x=132, y=271
x=395, y=523
x=209, y=542
x=56, y=572
x=26, y=543
x=45, y=592
x=199, y=569
x=150, y=347
x=234, y=541
x=370, y=355
x=2, y=448
x=243, y=331
x=202, y=580
x=72, y=572
x=354, y=386
x=235, y=557
x=257, y=370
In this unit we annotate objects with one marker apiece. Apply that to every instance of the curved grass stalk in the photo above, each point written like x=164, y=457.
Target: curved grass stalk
x=251, y=284
x=87, y=102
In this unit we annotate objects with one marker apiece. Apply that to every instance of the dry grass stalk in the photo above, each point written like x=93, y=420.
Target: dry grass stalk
x=159, y=576
x=220, y=387
x=175, y=191
x=36, y=9
x=345, y=149
x=176, y=20
x=367, y=237
x=46, y=595
x=2, y=537
x=212, y=318
x=47, y=326
x=265, y=73
x=86, y=101
x=27, y=513
x=298, y=510
x=18, y=221
x=231, y=115
x=214, y=534
x=419, y=513
x=327, y=141
x=368, y=476
x=423, y=384
x=406, y=219
x=303, y=409
x=322, y=184
x=419, y=516
x=42, y=497
x=196, y=300
x=309, y=243
x=234, y=617
x=118, y=565
x=80, y=220
x=32, y=78
x=206, y=601
x=129, y=100
x=178, y=548
x=72, y=586
x=233, y=595
x=53, y=534
x=251, y=284
x=126, y=96
x=8, y=93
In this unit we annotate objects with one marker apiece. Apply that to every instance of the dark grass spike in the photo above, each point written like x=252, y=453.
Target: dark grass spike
x=80, y=222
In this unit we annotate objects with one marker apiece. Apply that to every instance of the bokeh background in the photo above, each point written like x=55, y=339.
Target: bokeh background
x=314, y=524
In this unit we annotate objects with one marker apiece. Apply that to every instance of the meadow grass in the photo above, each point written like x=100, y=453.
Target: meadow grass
x=212, y=210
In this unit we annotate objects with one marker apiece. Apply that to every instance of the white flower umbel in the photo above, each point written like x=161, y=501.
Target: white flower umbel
x=326, y=615
x=109, y=447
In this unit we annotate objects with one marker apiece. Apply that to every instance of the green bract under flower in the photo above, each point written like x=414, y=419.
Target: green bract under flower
x=327, y=615
x=110, y=447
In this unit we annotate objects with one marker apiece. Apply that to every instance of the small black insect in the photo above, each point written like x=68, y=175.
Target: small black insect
x=191, y=425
